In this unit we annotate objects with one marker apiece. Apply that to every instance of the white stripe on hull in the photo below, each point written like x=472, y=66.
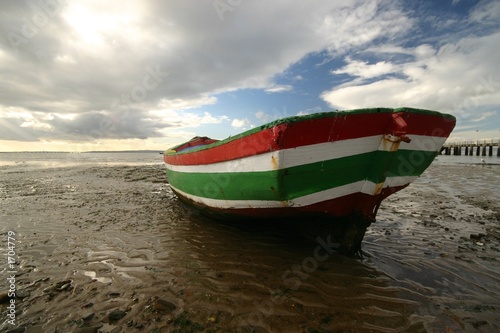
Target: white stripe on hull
x=423, y=143
x=328, y=151
x=302, y=155
x=255, y=163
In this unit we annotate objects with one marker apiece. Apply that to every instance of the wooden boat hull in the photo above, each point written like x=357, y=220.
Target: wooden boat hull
x=328, y=165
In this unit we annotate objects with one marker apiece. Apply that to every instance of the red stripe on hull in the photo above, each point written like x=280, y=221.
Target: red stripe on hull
x=427, y=124
x=336, y=128
x=313, y=131
x=257, y=143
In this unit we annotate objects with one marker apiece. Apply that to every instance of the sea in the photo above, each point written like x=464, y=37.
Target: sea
x=61, y=159
x=66, y=159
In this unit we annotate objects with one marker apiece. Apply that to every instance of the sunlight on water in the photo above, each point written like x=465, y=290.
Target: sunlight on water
x=55, y=160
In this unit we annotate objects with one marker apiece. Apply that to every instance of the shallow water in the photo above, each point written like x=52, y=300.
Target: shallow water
x=123, y=241
x=34, y=160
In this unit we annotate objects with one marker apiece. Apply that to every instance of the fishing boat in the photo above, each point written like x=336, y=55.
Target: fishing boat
x=335, y=166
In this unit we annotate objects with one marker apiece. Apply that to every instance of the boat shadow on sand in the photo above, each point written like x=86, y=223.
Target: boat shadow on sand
x=343, y=235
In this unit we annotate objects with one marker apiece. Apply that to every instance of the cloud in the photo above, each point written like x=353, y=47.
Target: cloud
x=487, y=12
x=89, y=70
x=100, y=125
x=95, y=59
x=365, y=70
x=315, y=109
x=484, y=116
x=240, y=123
x=279, y=88
x=458, y=78
x=274, y=114
x=261, y=115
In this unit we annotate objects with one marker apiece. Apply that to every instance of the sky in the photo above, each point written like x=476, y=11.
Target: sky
x=134, y=75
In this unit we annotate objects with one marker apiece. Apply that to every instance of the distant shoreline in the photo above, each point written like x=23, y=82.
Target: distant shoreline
x=82, y=152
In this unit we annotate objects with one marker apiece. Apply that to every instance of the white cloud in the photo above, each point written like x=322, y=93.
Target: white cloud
x=353, y=26
x=309, y=111
x=89, y=54
x=261, y=115
x=278, y=88
x=185, y=104
x=184, y=119
x=65, y=58
x=486, y=12
x=91, y=64
x=459, y=78
x=365, y=70
x=240, y=123
x=275, y=114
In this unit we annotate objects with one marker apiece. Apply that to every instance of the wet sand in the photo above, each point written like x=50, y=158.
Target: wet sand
x=110, y=249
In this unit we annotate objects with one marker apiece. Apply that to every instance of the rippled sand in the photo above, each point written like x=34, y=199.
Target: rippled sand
x=110, y=249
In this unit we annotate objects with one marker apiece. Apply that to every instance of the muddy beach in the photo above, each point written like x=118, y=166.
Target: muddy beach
x=108, y=248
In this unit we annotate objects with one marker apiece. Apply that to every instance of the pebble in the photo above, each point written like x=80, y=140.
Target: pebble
x=477, y=236
x=134, y=324
x=116, y=315
x=478, y=323
x=66, y=286
x=59, y=286
x=22, y=294
x=88, y=316
x=164, y=306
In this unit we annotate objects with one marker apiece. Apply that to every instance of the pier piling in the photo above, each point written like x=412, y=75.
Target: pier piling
x=482, y=148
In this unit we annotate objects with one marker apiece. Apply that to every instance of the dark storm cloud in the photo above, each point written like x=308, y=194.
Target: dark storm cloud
x=106, y=125
x=84, y=127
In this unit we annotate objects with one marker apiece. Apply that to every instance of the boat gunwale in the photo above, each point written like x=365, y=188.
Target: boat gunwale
x=294, y=119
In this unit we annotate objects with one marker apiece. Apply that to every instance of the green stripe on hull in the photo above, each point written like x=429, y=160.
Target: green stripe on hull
x=294, y=182
x=227, y=186
x=310, y=178
x=411, y=162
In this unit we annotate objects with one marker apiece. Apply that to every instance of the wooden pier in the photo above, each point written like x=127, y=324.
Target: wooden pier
x=471, y=148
